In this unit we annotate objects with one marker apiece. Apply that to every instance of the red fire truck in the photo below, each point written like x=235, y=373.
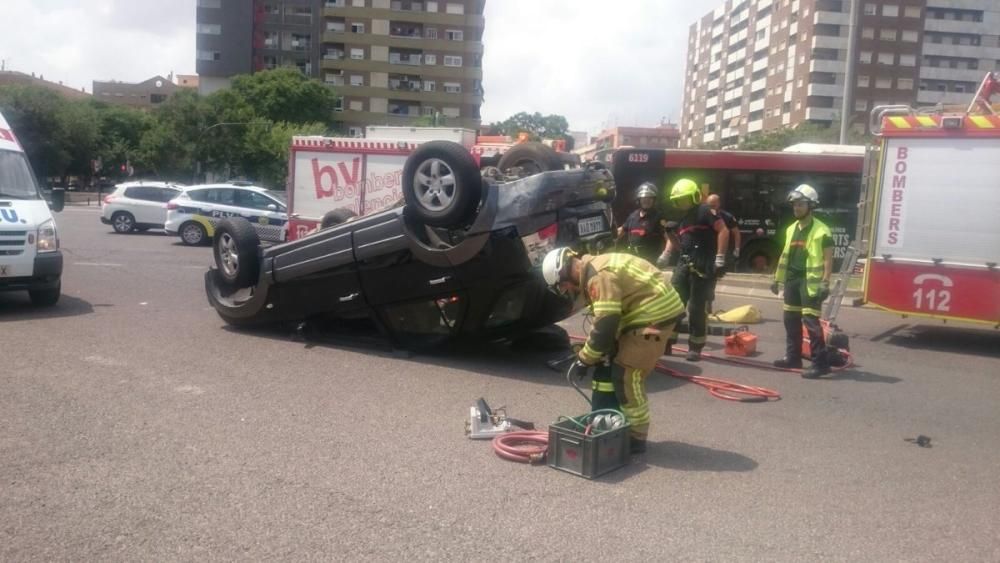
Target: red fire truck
x=753, y=187
x=930, y=223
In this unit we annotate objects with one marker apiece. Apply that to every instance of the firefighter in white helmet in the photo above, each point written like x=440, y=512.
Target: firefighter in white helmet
x=805, y=267
x=634, y=312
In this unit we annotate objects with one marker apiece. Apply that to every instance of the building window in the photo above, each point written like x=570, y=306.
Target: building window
x=911, y=36
x=431, y=33
x=886, y=58
x=157, y=98
x=871, y=9
x=450, y=112
x=453, y=87
x=430, y=86
x=452, y=60
x=868, y=33
x=432, y=6
x=300, y=11
x=358, y=3
x=904, y=83
x=911, y=11
x=907, y=60
x=357, y=80
x=890, y=10
x=210, y=29
x=887, y=34
x=430, y=59
x=453, y=34
x=357, y=28
x=356, y=105
x=355, y=131
x=209, y=55
x=209, y=3
x=357, y=54
x=861, y=105
x=866, y=57
x=338, y=105
x=272, y=9
x=452, y=8
x=883, y=83
x=863, y=81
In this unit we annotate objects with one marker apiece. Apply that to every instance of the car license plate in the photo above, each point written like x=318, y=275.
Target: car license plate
x=590, y=225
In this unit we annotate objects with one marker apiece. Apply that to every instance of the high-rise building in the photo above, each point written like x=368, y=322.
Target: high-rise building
x=758, y=65
x=392, y=61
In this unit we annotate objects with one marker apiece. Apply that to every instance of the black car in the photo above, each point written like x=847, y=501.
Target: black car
x=458, y=257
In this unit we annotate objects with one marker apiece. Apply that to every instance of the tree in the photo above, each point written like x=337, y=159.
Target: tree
x=35, y=115
x=285, y=95
x=807, y=132
x=536, y=125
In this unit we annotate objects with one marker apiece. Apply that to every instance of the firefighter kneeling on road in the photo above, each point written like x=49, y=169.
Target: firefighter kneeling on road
x=805, y=267
x=634, y=312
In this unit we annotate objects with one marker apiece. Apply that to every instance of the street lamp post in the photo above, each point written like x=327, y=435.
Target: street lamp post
x=847, y=108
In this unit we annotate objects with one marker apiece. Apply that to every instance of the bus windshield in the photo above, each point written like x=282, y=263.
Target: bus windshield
x=16, y=178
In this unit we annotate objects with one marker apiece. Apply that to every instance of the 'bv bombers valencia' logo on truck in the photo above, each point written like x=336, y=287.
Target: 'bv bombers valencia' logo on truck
x=344, y=185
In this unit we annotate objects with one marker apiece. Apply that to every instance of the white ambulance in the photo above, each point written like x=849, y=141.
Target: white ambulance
x=30, y=259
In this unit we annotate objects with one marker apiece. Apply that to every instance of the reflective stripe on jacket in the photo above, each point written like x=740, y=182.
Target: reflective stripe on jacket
x=624, y=292
x=814, y=255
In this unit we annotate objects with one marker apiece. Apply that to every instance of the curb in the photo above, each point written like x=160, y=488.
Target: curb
x=756, y=286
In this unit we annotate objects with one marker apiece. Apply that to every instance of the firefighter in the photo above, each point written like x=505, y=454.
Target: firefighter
x=644, y=229
x=715, y=202
x=634, y=312
x=701, y=238
x=805, y=267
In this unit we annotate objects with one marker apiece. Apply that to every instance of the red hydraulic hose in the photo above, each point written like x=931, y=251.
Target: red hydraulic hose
x=523, y=447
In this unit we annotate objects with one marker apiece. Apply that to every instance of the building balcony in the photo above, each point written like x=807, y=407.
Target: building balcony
x=444, y=45
x=964, y=51
x=759, y=65
x=832, y=18
x=833, y=67
x=756, y=105
x=755, y=126
x=955, y=26
x=826, y=42
x=439, y=18
x=758, y=85
x=438, y=71
x=403, y=94
x=934, y=97
x=822, y=114
x=958, y=74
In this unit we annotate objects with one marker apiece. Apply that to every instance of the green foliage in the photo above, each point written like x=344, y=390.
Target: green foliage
x=536, y=125
x=779, y=139
x=244, y=130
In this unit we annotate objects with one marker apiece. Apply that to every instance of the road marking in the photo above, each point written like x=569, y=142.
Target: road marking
x=98, y=264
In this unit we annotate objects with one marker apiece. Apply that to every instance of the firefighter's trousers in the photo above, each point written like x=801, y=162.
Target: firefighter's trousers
x=694, y=289
x=801, y=309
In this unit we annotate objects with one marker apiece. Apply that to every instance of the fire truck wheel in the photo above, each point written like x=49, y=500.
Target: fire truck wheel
x=336, y=217
x=531, y=159
x=441, y=184
x=235, y=247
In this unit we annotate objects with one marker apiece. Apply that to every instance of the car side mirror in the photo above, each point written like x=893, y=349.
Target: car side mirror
x=272, y=207
x=58, y=201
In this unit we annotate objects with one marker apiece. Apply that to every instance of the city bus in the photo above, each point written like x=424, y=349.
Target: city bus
x=753, y=186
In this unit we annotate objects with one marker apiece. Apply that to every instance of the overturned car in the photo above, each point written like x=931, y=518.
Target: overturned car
x=457, y=257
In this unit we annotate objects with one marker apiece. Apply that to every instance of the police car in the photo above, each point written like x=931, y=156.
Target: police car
x=194, y=214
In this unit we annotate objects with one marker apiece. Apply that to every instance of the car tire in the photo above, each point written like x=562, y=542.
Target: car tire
x=235, y=249
x=123, y=222
x=45, y=297
x=531, y=158
x=336, y=217
x=192, y=234
x=441, y=184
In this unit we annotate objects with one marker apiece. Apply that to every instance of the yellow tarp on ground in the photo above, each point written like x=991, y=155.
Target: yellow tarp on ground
x=747, y=314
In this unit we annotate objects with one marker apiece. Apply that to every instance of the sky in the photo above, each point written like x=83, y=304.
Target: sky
x=600, y=63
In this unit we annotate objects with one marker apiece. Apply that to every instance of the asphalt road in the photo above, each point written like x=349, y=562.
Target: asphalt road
x=135, y=426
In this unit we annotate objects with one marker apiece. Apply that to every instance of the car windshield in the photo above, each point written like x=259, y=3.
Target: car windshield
x=16, y=178
x=280, y=196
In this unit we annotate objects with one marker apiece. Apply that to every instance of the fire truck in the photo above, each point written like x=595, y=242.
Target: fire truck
x=342, y=177
x=929, y=214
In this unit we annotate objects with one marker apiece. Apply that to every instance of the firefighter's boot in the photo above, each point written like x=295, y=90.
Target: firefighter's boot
x=788, y=363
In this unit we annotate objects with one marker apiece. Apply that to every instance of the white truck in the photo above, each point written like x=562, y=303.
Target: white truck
x=335, y=178
x=30, y=259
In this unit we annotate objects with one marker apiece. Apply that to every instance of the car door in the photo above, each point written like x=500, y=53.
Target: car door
x=267, y=215
x=163, y=196
x=144, y=204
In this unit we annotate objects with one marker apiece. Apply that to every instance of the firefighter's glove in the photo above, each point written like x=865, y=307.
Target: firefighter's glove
x=663, y=261
x=671, y=226
x=824, y=291
x=579, y=370
x=775, y=288
x=720, y=265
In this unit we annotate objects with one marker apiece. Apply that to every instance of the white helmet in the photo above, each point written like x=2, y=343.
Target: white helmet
x=553, y=264
x=804, y=192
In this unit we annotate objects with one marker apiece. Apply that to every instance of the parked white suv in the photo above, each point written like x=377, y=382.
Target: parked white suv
x=139, y=206
x=194, y=214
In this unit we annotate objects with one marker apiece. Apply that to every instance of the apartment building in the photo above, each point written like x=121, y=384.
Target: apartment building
x=140, y=95
x=392, y=61
x=758, y=65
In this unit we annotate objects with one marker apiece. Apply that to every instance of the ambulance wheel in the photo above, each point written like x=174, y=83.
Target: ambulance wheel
x=235, y=249
x=193, y=234
x=336, y=217
x=531, y=158
x=441, y=184
x=45, y=297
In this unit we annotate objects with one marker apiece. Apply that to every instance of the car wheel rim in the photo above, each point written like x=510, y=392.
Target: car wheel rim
x=228, y=255
x=192, y=234
x=123, y=224
x=435, y=185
